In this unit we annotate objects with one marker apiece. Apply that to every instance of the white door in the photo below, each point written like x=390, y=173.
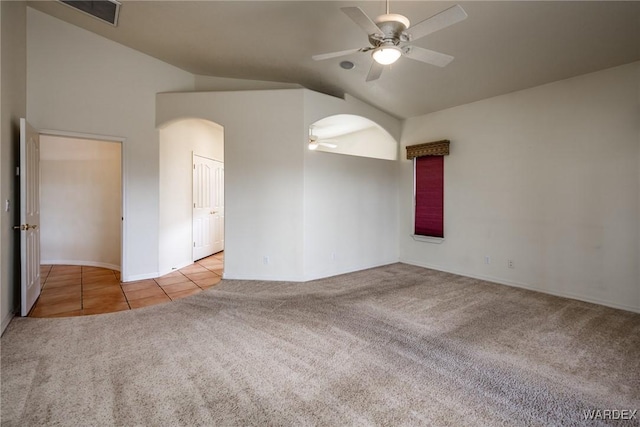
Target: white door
x=208, y=207
x=29, y=216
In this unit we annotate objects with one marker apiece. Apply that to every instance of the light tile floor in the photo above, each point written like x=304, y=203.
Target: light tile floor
x=70, y=290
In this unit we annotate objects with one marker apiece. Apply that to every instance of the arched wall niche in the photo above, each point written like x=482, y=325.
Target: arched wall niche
x=187, y=119
x=352, y=135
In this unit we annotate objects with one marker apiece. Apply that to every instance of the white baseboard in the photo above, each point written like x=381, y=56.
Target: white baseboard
x=136, y=277
x=526, y=286
x=76, y=262
x=306, y=278
x=232, y=276
x=347, y=270
x=178, y=267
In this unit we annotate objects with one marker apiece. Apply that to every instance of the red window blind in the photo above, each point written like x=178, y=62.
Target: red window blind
x=429, y=215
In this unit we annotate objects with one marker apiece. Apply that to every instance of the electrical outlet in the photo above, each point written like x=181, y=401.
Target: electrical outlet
x=510, y=263
x=487, y=259
x=265, y=260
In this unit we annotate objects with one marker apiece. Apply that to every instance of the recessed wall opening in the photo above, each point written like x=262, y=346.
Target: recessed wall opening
x=191, y=193
x=81, y=202
x=352, y=135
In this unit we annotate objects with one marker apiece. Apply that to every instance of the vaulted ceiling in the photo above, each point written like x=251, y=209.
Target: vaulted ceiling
x=501, y=47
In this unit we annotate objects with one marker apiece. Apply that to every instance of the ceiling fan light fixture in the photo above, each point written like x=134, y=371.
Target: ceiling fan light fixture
x=386, y=54
x=313, y=145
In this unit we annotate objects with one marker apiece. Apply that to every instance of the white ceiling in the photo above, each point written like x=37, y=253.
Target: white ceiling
x=501, y=47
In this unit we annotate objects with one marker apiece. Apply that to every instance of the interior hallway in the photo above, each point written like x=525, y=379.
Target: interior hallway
x=70, y=290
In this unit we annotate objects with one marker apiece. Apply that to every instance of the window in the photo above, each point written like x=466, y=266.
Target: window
x=428, y=185
x=429, y=196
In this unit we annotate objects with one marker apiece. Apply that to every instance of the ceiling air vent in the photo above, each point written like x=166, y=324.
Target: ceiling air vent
x=104, y=10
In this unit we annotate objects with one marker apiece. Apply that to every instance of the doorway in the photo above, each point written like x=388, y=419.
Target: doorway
x=81, y=201
x=208, y=207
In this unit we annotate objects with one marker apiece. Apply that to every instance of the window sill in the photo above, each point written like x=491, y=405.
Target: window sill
x=427, y=239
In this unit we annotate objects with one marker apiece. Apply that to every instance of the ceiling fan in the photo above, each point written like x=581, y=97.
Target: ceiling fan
x=315, y=142
x=390, y=35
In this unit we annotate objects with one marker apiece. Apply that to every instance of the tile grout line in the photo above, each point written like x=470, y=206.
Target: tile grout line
x=192, y=281
x=122, y=290
x=81, y=290
x=186, y=277
x=165, y=292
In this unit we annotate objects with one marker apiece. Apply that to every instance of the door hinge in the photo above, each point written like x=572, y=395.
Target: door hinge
x=18, y=171
x=194, y=244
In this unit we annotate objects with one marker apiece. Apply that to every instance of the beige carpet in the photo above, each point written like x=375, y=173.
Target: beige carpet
x=396, y=345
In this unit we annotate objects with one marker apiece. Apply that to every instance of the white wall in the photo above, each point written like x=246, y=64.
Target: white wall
x=264, y=138
x=350, y=206
x=13, y=64
x=80, y=82
x=547, y=177
x=80, y=202
x=350, y=203
x=178, y=142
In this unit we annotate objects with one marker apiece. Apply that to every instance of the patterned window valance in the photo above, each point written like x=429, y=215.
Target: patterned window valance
x=437, y=148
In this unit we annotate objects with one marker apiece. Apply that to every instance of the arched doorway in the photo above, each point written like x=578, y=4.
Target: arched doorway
x=191, y=192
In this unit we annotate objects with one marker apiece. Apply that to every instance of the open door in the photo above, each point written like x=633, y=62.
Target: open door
x=208, y=207
x=29, y=216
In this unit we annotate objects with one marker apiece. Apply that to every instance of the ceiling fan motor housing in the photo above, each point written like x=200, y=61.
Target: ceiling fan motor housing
x=393, y=26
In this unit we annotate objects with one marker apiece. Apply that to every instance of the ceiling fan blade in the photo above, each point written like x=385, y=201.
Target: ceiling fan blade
x=375, y=71
x=330, y=55
x=328, y=144
x=429, y=56
x=359, y=17
x=437, y=22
